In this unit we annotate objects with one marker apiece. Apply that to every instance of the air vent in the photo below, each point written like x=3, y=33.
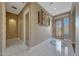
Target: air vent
x=14, y=7
x=51, y=3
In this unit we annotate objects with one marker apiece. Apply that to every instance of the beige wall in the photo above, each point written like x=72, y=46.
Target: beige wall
x=53, y=27
x=37, y=33
x=11, y=25
x=0, y=28
x=72, y=25
x=21, y=21
x=27, y=27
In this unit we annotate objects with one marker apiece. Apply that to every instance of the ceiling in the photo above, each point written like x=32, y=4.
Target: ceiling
x=15, y=7
x=53, y=8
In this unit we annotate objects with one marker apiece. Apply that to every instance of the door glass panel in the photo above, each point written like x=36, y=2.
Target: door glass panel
x=58, y=28
x=66, y=27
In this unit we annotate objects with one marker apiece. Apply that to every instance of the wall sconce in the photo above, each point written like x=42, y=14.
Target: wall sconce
x=12, y=25
x=12, y=21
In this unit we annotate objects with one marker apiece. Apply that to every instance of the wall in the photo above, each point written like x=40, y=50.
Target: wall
x=21, y=22
x=37, y=33
x=77, y=27
x=0, y=29
x=72, y=25
x=53, y=28
x=20, y=26
x=27, y=28
x=11, y=25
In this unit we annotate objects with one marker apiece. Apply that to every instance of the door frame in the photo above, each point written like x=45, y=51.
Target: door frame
x=3, y=28
x=24, y=25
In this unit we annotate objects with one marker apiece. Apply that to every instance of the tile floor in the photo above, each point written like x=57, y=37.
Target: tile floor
x=14, y=46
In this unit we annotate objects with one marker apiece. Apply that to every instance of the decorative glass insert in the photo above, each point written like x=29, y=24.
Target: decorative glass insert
x=66, y=27
x=58, y=28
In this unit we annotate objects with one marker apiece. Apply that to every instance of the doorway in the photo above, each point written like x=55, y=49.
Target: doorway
x=12, y=37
